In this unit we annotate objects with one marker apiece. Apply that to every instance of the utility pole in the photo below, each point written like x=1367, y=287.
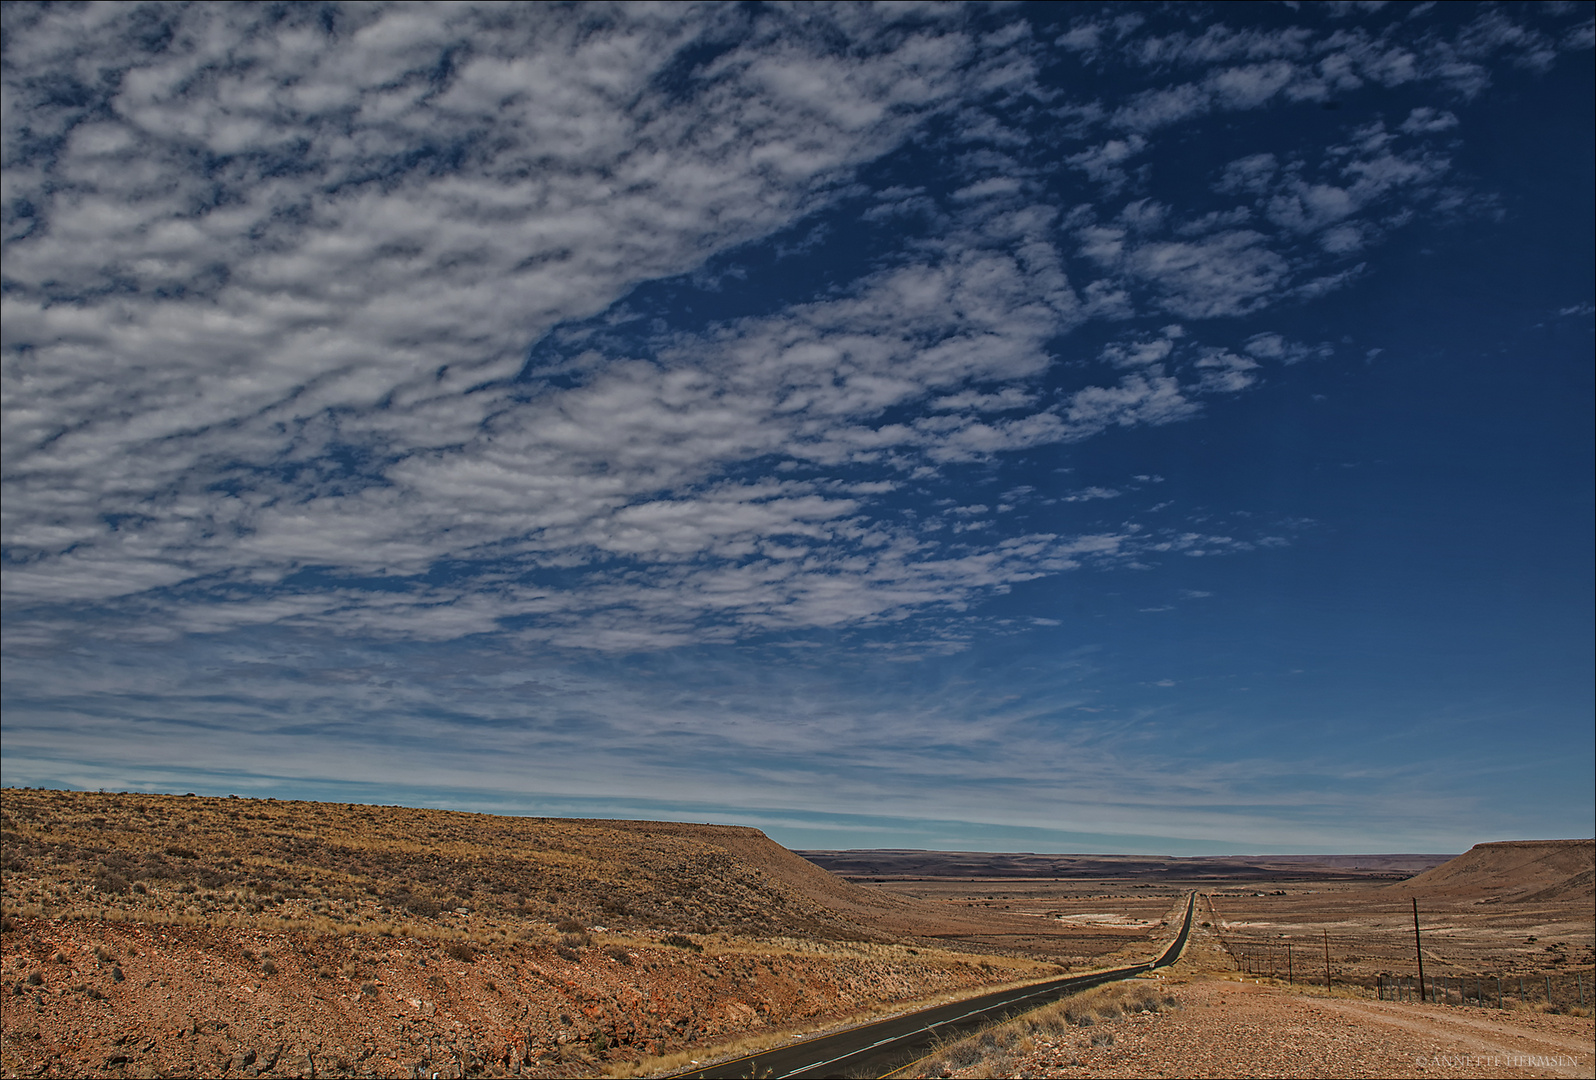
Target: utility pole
x=1326, y=961
x=1418, y=946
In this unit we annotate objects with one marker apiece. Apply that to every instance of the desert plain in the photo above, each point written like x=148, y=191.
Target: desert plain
x=159, y=935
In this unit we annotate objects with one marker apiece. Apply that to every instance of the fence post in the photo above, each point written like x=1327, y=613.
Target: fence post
x=1548, y=990
x=1418, y=946
x=1291, y=981
x=1579, y=984
x=1498, y=991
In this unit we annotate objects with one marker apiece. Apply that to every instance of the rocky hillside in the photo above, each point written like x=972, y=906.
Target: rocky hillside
x=325, y=865
x=1528, y=871
x=149, y=935
x=88, y=997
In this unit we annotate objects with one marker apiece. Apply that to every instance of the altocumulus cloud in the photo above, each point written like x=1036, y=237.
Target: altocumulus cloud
x=270, y=284
x=273, y=274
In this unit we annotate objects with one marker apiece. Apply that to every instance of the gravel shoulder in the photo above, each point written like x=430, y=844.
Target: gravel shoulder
x=1224, y=1028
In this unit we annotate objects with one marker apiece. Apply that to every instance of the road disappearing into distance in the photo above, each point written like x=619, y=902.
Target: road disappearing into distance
x=889, y=1045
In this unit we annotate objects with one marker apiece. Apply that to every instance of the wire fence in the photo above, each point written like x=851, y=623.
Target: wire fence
x=1306, y=962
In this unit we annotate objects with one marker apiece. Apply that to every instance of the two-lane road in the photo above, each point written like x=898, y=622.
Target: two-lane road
x=880, y=1048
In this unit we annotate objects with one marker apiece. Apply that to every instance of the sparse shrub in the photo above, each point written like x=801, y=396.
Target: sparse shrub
x=424, y=907
x=569, y=925
x=1102, y=1038
x=575, y=941
x=35, y=978
x=566, y=954
x=962, y=1054
x=681, y=941
x=368, y=989
x=181, y=852
x=103, y=954
x=618, y=954
x=268, y=966
x=460, y=951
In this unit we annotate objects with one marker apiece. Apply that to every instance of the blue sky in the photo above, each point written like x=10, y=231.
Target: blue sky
x=1121, y=428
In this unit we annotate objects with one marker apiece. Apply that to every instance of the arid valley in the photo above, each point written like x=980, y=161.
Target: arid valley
x=151, y=935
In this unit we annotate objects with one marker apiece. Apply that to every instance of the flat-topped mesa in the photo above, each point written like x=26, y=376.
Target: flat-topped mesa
x=1514, y=871
x=138, y=853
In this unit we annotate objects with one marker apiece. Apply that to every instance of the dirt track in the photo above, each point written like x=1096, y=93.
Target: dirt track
x=1230, y=1029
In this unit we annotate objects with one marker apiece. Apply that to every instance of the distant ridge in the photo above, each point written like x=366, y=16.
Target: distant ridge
x=1515, y=871
x=898, y=863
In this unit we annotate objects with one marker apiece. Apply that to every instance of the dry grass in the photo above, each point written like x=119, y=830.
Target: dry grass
x=991, y=1052
x=768, y=1040
x=334, y=868
x=630, y=904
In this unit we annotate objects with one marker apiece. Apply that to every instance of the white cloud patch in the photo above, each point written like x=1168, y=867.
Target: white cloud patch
x=1091, y=493
x=1272, y=346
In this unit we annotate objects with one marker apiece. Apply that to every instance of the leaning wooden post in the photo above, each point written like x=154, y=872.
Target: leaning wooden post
x=1418, y=946
x=1291, y=979
x=1548, y=990
x=1326, y=961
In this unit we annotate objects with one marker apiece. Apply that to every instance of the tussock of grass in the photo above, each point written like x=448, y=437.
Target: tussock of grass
x=994, y=1049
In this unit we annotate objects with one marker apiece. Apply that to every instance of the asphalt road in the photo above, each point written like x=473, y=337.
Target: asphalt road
x=887, y=1045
